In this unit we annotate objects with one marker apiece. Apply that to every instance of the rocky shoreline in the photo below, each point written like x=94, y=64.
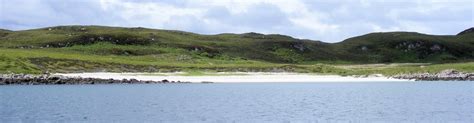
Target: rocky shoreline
x=46, y=79
x=445, y=75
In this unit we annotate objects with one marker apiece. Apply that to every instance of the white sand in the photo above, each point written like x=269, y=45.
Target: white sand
x=237, y=77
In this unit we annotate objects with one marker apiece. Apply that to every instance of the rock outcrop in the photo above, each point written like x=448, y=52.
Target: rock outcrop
x=46, y=79
x=445, y=75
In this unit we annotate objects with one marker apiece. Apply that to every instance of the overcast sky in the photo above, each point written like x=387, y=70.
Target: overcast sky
x=326, y=20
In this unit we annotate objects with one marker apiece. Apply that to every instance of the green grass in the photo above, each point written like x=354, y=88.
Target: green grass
x=408, y=68
x=16, y=65
x=22, y=61
x=115, y=49
x=57, y=59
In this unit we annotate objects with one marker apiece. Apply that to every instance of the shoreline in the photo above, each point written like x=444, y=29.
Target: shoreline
x=47, y=79
x=445, y=75
x=221, y=77
x=236, y=77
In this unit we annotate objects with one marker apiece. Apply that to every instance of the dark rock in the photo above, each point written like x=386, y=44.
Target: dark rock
x=206, y=82
x=25, y=79
x=134, y=81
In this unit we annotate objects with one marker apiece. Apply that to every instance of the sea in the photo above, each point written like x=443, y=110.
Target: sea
x=396, y=102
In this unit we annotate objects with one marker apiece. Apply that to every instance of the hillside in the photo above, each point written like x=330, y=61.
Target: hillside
x=409, y=47
x=99, y=48
x=469, y=31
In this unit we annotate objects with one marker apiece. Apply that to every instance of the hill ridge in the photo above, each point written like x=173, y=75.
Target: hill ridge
x=380, y=47
x=467, y=31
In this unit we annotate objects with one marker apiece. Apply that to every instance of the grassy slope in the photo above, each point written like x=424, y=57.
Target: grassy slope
x=409, y=47
x=97, y=48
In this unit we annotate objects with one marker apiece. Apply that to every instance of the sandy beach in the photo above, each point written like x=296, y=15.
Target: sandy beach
x=238, y=77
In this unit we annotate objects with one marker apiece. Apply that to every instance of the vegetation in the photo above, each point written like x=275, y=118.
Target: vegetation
x=115, y=49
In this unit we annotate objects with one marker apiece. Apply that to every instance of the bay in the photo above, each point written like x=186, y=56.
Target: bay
x=241, y=102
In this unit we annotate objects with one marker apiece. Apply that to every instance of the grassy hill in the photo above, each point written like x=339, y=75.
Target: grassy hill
x=409, y=47
x=116, y=49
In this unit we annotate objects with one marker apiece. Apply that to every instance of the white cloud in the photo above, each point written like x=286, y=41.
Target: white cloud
x=148, y=13
x=324, y=20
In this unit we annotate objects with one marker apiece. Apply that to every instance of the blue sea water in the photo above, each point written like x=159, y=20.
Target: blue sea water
x=240, y=102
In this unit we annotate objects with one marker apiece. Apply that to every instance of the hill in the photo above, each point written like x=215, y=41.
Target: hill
x=100, y=48
x=408, y=47
x=467, y=31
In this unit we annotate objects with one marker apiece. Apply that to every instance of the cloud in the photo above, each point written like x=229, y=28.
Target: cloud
x=324, y=20
x=259, y=15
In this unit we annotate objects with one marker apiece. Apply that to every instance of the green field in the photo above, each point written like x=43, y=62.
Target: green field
x=68, y=49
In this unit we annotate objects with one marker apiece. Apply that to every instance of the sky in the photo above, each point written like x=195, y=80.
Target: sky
x=325, y=20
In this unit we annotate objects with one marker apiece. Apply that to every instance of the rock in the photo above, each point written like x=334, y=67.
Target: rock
x=299, y=46
x=470, y=77
x=125, y=81
x=448, y=72
x=206, y=82
x=26, y=79
x=445, y=75
x=134, y=81
x=435, y=47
